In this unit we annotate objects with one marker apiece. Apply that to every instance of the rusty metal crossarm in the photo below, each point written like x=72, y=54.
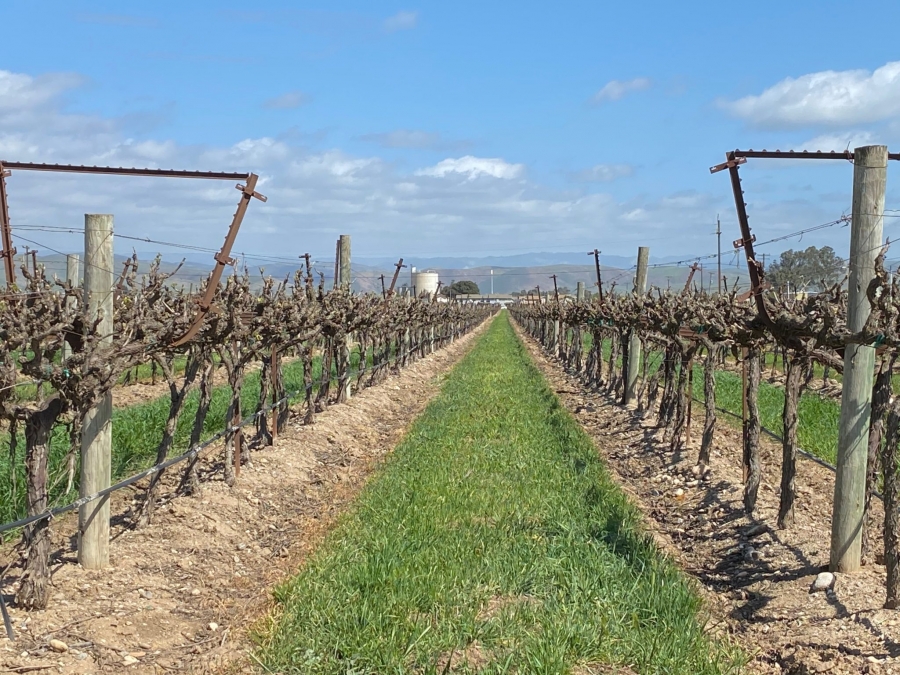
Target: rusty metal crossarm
x=123, y=171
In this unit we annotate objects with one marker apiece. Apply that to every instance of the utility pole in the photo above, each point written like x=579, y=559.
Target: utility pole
x=96, y=433
x=869, y=181
x=596, y=255
x=73, y=262
x=492, y=282
x=634, y=346
x=719, y=244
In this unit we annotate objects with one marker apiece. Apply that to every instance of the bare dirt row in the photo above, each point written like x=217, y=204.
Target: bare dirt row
x=182, y=593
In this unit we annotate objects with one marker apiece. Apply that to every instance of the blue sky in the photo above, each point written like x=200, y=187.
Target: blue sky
x=445, y=128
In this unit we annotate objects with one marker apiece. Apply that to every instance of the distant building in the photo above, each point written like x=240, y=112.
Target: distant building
x=501, y=299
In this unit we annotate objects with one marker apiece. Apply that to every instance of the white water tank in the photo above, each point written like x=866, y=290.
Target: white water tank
x=423, y=282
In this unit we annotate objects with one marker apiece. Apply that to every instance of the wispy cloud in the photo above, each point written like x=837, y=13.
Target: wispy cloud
x=413, y=139
x=828, y=98
x=615, y=90
x=287, y=101
x=603, y=173
x=401, y=21
x=117, y=19
x=839, y=141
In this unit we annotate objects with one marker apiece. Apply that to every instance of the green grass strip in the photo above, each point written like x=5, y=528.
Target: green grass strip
x=495, y=498
x=136, y=433
x=818, y=416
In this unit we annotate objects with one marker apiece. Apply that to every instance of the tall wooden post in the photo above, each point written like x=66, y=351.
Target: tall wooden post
x=96, y=434
x=634, y=346
x=346, y=283
x=337, y=263
x=73, y=263
x=869, y=181
x=344, y=272
x=579, y=291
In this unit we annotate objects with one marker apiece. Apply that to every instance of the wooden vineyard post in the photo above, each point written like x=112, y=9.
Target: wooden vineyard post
x=96, y=434
x=745, y=420
x=344, y=270
x=273, y=374
x=73, y=263
x=690, y=403
x=347, y=285
x=869, y=181
x=634, y=346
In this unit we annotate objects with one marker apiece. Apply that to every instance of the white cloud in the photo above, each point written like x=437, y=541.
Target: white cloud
x=20, y=92
x=473, y=167
x=287, y=101
x=832, y=98
x=615, y=90
x=603, y=173
x=463, y=204
x=401, y=21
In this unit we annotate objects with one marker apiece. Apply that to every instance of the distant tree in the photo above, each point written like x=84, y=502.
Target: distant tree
x=808, y=269
x=465, y=287
x=564, y=290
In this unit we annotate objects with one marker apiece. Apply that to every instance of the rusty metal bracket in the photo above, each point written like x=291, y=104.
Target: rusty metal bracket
x=746, y=295
x=730, y=164
x=693, y=270
x=7, y=251
x=746, y=241
x=739, y=243
x=222, y=258
x=398, y=266
x=596, y=255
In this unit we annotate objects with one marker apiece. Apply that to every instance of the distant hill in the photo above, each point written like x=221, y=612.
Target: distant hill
x=507, y=277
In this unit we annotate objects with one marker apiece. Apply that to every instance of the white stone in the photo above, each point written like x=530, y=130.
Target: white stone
x=823, y=582
x=58, y=646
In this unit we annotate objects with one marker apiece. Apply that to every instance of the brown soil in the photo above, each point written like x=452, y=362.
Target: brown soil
x=182, y=594
x=754, y=578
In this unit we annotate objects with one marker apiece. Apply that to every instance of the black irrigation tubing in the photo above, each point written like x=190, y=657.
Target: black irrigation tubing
x=772, y=434
x=193, y=452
